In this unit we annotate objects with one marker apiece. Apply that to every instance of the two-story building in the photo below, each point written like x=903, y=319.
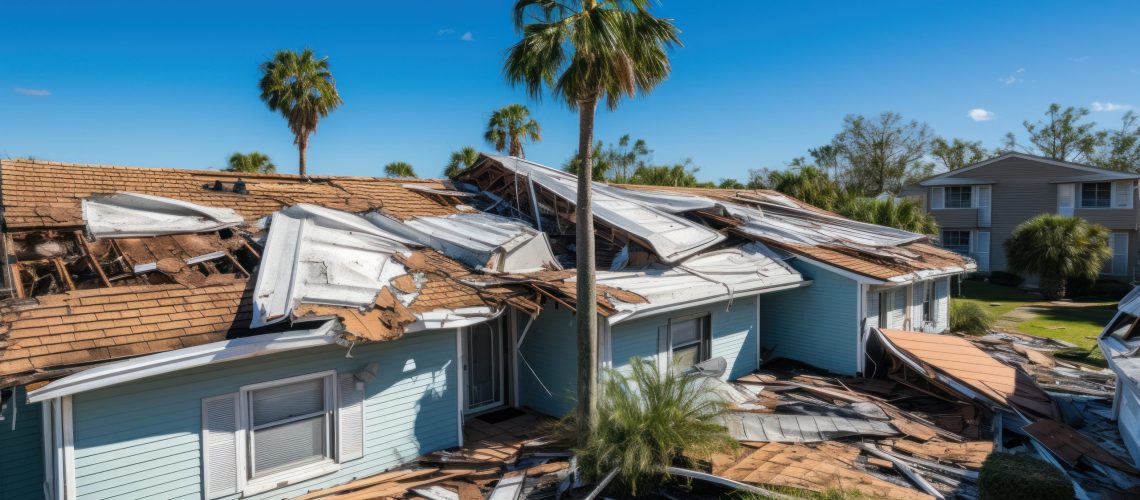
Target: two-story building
x=977, y=207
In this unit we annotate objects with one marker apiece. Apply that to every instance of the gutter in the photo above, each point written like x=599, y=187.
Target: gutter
x=181, y=359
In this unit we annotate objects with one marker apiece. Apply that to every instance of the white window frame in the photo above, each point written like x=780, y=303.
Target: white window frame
x=1081, y=195
x=249, y=485
x=704, y=340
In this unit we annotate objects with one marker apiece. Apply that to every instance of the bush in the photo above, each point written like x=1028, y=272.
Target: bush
x=1005, y=279
x=969, y=317
x=648, y=421
x=1008, y=476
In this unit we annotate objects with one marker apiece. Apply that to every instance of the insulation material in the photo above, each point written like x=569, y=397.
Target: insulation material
x=484, y=242
x=714, y=275
x=316, y=255
x=131, y=214
x=671, y=237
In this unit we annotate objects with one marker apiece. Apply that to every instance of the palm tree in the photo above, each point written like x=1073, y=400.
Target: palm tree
x=1057, y=248
x=252, y=162
x=809, y=184
x=509, y=126
x=400, y=169
x=907, y=214
x=301, y=88
x=460, y=160
x=585, y=52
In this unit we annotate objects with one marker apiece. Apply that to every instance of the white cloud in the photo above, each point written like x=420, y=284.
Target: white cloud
x=32, y=92
x=1014, y=78
x=444, y=31
x=1109, y=106
x=467, y=37
x=981, y=115
x=1080, y=59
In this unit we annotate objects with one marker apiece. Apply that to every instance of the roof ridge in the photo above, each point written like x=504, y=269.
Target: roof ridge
x=196, y=171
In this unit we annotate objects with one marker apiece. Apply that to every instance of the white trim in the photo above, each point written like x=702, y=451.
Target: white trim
x=513, y=318
x=182, y=359
x=653, y=311
x=68, y=428
x=459, y=371
x=1048, y=161
x=759, y=332
x=860, y=316
x=47, y=431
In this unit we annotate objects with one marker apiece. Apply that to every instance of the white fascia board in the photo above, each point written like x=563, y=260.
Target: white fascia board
x=181, y=359
x=664, y=308
x=1040, y=159
x=440, y=319
x=927, y=275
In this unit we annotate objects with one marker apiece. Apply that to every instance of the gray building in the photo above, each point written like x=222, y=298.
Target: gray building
x=977, y=207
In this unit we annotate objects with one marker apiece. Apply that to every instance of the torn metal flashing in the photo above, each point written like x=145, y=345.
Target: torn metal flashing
x=136, y=215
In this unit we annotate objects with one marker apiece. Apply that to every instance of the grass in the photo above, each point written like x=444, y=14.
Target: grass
x=1077, y=323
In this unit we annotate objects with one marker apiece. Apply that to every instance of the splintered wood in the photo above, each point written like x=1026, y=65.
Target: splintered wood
x=819, y=468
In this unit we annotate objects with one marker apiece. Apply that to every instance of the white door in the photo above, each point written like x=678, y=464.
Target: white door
x=983, y=197
x=1066, y=199
x=484, y=366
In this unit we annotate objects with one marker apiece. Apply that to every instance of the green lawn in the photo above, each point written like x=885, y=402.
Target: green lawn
x=1077, y=322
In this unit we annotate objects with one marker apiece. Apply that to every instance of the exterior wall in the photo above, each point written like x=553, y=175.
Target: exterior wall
x=965, y=218
x=21, y=450
x=551, y=349
x=1024, y=188
x=817, y=324
x=142, y=440
x=734, y=336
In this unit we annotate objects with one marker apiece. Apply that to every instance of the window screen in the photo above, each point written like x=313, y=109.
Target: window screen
x=1096, y=195
x=688, y=341
x=290, y=426
x=958, y=196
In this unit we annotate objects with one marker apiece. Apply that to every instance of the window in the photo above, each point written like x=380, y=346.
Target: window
x=290, y=425
x=1096, y=195
x=689, y=341
x=1124, y=328
x=928, y=303
x=958, y=196
x=957, y=241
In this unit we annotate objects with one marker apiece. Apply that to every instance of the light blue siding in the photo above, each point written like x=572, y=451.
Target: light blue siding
x=142, y=440
x=817, y=324
x=21, y=450
x=734, y=336
x=551, y=350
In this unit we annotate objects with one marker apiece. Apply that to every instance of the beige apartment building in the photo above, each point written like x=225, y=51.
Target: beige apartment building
x=977, y=207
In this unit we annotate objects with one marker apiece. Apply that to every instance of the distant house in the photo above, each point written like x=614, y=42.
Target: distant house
x=180, y=333
x=978, y=206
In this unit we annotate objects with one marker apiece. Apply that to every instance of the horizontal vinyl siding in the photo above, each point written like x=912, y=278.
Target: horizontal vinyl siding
x=956, y=217
x=1121, y=219
x=551, y=349
x=733, y=335
x=21, y=450
x=817, y=324
x=142, y=440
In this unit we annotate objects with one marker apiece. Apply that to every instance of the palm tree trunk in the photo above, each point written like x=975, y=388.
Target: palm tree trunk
x=302, y=145
x=587, y=306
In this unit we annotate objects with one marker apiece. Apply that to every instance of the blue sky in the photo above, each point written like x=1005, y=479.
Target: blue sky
x=174, y=84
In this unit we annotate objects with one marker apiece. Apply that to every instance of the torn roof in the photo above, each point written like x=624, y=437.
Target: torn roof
x=783, y=222
x=530, y=186
x=130, y=214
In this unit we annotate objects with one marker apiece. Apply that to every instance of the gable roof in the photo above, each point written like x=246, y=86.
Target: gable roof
x=1100, y=173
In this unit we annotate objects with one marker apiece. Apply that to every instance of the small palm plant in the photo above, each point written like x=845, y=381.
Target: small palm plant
x=460, y=160
x=1057, y=248
x=252, y=162
x=509, y=126
x=400, y=169
x=647, y=422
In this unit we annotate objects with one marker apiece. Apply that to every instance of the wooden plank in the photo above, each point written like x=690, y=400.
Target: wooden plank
x=369, y=481
x=91, y=258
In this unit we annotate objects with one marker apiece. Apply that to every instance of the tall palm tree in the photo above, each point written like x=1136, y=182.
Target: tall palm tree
x=460, y=160
x=400, y=169
x=1057, y=248
x=588, y=51
x=252, y=162
x=302, y=89
x=509, y=126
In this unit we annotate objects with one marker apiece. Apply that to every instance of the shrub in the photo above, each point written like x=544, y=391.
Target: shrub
x=648, y=421
x=1057, y=248
x=969, y=317
x=1005, y=279
x=1008, y=476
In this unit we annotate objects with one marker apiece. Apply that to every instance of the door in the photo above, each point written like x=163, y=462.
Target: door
x=484, y=366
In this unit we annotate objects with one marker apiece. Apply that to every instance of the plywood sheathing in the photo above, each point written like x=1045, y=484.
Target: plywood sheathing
x=45, y=337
